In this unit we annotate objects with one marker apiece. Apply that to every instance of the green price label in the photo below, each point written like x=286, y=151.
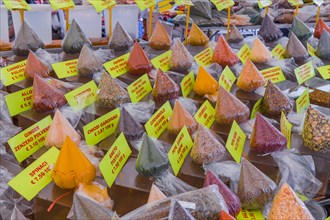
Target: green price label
x=324, y=71
x=144, y=4
x=302, y=101
x=139, y=88
x=304, y=72
x=183, y=2
x=205, y=57
x=264, y=3
x=256, y=108
x=187, y=84
x=13, y=73
x=61, y=4
x=66, y=69
x=227, y=79
x=248, y=214
x=83, y=96
x=20, y=101
x=244, y=53
x=296, y=2
x=278, y=52
x=205, y=114
x=16, y=4
x=311, y=50
x=222, y=4
x=274, y=74
x=286, y=127
x=162, y=61
x=100, y=5
x=235, y=142
x=118, y=66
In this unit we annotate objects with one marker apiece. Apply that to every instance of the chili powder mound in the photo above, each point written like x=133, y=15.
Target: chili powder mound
x=35, y=67
x=223, y=54
x=138, y=62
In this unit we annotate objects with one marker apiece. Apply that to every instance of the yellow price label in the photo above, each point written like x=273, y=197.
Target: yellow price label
x=324, y=71
x=205, y=57
x=205, y=114
x=311, y=50
x=183, y=2
x=61, y=4
x=264, y=3
x=244, y=53
x=13, y=73
x=83, y=96
x=144, y=4
x=139, y=88
x=118, y=66
x=235, y=142
x=304, y=72
x=274, y=74
x=16, y=4
x=278, y=52
x=222, y=4
x=286, y=127
x=302, y=197
x=248, y=214
x=66, y=69
x=227, y=79
x=187, y=84
x=303, y=101
x=256, y=108
x=20, y=101
x=162, y=61
x=296, y=2
x=100, y=5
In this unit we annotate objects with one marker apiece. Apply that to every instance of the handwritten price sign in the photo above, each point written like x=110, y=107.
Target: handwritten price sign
x=13, y=73
x=118, y=66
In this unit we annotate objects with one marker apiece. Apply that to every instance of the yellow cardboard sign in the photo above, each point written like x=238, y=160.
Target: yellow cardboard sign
x=304, y=72
x=274, y=74
x=249, y=214
x=187, y=84
x=183, y=2
x=162, y=61
x=61, y=4
x=19, y=101
x=157, y=124
x=227, y=79
x=83, y=96
x=118, y=66
x=13, y=73
x=102, y=127
x=303, y=101
x=114, y=160
x=286, y=127
x=139, y=88
x=30, y=140
x=296, y=2
x=235, y=142
x=324, y=71
x=256, y=108
x=222, y=4
x=278, y=51
x=205, y=57
x=66, y=69
x=302, y=197
x=244, y=53
x=311, y=50
x=36, y=176
x=264, y=3
x=180, y=149
x=16, y=4
x=100, y=5
x=205, y=114
x=144, y=4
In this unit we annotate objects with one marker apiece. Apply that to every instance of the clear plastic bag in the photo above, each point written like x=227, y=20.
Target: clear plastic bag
x=269, y=31
x=259, y=52
x=4, y=113
x=319, y=28
x=207, y=204
x=178, y=212
x=88, y=63
x=131, y=128
x=61, y=85
x=235, y=36
x=138, y=62
x=300, y=29
x=247, y=126
x=160, y=40
x=181, y=59
x=93, y=154
x=202, y=8
x=47, y=58
x=104, y=55
x=120, y=39
x=155, y=194
x=295, y=49
x=223, y=54
x=287, y=67
x=250, y=78
x=196, y=36
x=35, y=67
x=165, y=88
x=140, y=111
x=323, y=46
x=298, y=171
x=205, y=84
x=215, y=70
x=188, y=104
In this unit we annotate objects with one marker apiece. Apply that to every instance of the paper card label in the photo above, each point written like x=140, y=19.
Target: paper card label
x=83, y=96
x=61, y=4
x=100, y=5
x=227, y=79
x=244, y=53
x=324, y=71
x=318, y=2
x=256, y=108
x=180, y=149
x=278, y=51
x=296, y=2
x=183, y=2
x=274, y=74
x=13, y=73
x=205, y=57
x=162, y=61
x=30, y=140
x=144, y=4
x=66, y=69
x=222, y=4
x=264, y=3
x=157, y=124
x=102, y=127
x=304, y=72
x=205, y=114
x=139, y=88
x=19, y=101
x=250, y=215
x=114, y=159
x=187, y=84
x=286, y=127
x=118, y=66
x=35, y=177
x=303, y=101
x=16, y=4
x=235, y=142
x=302, y=197
x=311, y=50
x=328, y=218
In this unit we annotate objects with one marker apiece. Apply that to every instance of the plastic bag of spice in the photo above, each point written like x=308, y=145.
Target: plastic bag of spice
x=188, y=104
x=207, y=203
x=320, y=27
x=160, y=40
x=205, y=84
x=259, y=52
x=4, y=113
x=120, y=39
x=223, y=54
x=196, y=36
x=165, y=88
x=250, y=78
x=323, y=46
x=300, y=29
x=178, y=212
x=269, y=31
x=287, y=67
x=47, y=58
x=295, y=49
x=131, y=128
x=8, y=130
x=94, y=154
x=140, y=111
x=88, y=63
x=138, y=62
x=155, y=194
x=235, y=35
x=181, y=59
x=34, y=66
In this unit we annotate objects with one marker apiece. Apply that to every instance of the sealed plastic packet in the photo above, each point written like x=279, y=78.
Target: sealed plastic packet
x=223, y=54
x=178, y=212
x=160, y=40
x=295, y=49
x=215, y=70
x=229, y=108
x=259, y=52
x=88, y=63
x=181, y=59
x=26, y=40
x=120, y=39
x=94, y=154
x=269, y=31
x=4, y=113
x=155, y=194
x=235, y=36
x=188, y=104
x=196, y=36
x=47, y=58
x=141, y=111
x=34, y=66
x=165, y=88
x=74, y=39
x=205, y=83
x=320, y=27
x=323, y=46
x=300, y=29
x=138, y=62
x=131, y=128
x=250, y=78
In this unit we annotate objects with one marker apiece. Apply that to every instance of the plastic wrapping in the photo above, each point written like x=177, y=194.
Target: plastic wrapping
x=205, y=83
x=8, y=130
x=295, y=49
x=152, y=160
x=287, y=205
x=259, y=52
x=155, y=194
x=215, y=70
x=159, y=39
x=206, y=148
x=131, y=128
x=180, y=118
x=61, y=85
x=110, y=94
x=320, y=27
x=35, y=67
x=255, y=189
x=232, y=201
x=323, y=46
x=188, y=104
x=269, y=31
x=72, y=167
x=93, y=154
x=120, y=39
x=202, y=8
x=178, y=212
x=287, y=67
x=319, y=97
x=207, y=203
x=88, y=63
x=235, y=36
x=299, y=172
x=138, y=62
x=223, y=54
x=250, y=78
x=141, y=111
x=165, y=88
x=230, y=108
x=74, y=39
x=300, y=29
x=91, y=202
x=316, y=130
x=4, y=113
x=26, y=40
x=104, y=55
x=197, y=37
x=47, y=58
x=181, y=59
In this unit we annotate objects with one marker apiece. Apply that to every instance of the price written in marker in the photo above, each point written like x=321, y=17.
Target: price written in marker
x=157, y=124
x=247, y=214
x=311, y=50
x=187, y=84
x=303, y=101
x=278, y=52
x=264, y=3
x=13, y=73
x=139, y=88
x=274, y=74
x=102, y=127
x=20, y=101
x=114, y=159
x=100, y=5
x=144, y=4
x=235, y=142
x=61, y=4
x=227, y=79
x=205, y=57
x=16, y=4
x=286, y=127
x=222, y=4
x=30, y=140
x=180, y=149
x=118, y=66
x=304, y=72
x=324, y=71
x=66, y=69
x=244, y=53
x=35, y=177
x=162, y=61
x=205, y=114
x=256, y=108
x=83, y=96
